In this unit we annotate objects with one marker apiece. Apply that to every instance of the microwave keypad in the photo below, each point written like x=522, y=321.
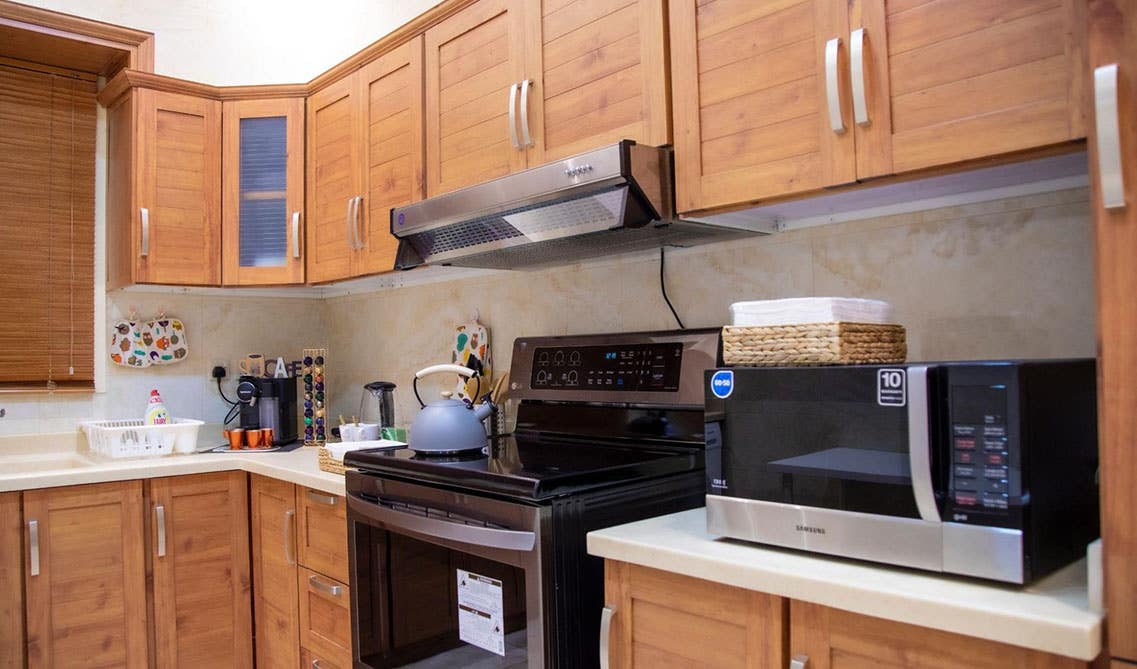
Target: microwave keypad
x=979, y=473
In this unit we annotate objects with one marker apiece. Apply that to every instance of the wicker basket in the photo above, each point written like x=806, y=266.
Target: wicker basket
x=836, y=343
x=328, y=463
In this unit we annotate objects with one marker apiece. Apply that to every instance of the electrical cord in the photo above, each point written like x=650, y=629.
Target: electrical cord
x=663, y=290
x=222, y=393
x=234, y=407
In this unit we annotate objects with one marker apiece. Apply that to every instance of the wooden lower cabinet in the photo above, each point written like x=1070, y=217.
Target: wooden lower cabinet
x=276, y=596
x=311, y=660
x=325, y=617
x=200, y=561
x=321, y=532
x=661, y=619
x=11, y=583
x=85, y=576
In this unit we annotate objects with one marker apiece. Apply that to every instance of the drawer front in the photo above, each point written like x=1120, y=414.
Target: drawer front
x=325, y=617
x=322, y=533
x=310, y=660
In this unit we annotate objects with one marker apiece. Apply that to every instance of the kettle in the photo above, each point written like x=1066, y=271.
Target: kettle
x=448, y=425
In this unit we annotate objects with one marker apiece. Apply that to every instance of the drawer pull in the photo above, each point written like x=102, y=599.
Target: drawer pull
x=799, y=662
x=832, y=93
x=1108, y=137
x=315, y=664
x=327, y=500
x=326, y=588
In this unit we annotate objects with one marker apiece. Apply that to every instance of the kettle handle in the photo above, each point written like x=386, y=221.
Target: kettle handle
x=440, y=369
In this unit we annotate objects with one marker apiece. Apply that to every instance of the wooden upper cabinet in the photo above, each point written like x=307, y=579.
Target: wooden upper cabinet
x=335, y=182
x=200, y=555
x=750, y=100
x=11, y=583
x=262, y=208
x=953, y=81
x=835, y=639
x=473, y=58
x=176, y=225
x=277, y=625
x=85, y=576
x=600, y=75
x=393, y=151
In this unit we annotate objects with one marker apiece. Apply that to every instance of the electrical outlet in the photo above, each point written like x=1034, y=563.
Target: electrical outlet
x=222, y=365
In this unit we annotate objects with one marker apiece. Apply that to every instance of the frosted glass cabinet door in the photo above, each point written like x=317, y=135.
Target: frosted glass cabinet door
x=263, y=172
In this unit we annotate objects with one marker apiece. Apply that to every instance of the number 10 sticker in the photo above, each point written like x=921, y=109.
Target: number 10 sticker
x=891, y=387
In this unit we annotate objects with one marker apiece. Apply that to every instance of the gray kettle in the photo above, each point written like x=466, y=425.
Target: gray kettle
x=448, y=425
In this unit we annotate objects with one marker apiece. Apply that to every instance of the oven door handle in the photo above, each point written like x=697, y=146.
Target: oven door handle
x=488, y=537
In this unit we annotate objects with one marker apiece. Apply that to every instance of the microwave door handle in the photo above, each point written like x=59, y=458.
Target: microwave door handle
x=919, y=448
x=487, y=537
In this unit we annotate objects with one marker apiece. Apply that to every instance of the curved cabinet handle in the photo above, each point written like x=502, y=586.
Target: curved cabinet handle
x=1107, y=124
x=513, y=117
x=857, y=69
x=145, y=215
x=799, y=662
x=289, y=536
x=526, y=140
x=160, y=523
x=316, y=664
x=33, y=547
x=351, y=243
x=296, y=234
x=327, y=588
x=359, y=243
x=606, y=616
x=832, y=93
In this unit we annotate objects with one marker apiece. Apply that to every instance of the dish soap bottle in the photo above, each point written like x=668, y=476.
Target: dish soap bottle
x=156, y=413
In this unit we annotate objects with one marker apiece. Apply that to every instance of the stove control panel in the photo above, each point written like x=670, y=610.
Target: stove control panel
x=618, y=368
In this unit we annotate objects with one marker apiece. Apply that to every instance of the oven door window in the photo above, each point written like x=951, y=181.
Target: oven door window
x=817, y=438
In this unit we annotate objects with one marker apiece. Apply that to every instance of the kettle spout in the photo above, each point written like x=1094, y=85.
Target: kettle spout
x=483, y=410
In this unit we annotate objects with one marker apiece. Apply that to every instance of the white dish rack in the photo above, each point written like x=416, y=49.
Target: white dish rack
x=136, y=439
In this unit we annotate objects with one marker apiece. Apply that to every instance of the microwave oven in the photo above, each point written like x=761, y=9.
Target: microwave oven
x=985, y=469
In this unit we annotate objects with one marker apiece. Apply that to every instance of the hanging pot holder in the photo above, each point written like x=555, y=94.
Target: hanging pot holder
x=128, y=345
x=168, y=343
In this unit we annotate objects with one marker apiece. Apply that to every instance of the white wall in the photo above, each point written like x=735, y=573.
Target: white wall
x=246, y=42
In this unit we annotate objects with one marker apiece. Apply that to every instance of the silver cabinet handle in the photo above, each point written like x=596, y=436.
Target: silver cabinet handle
x=160, y=521
x=358, y=228
x=33, y=547
x=605, y=635
x=315, y=664
x=326, y=588
x=513, y=117
x=351, y=243
x=857, y=69
x=296, y=234
x=799, y=662
x=289, y=536
x=832, y=93
x=145, y=232
x=526, y=140
x=1106, y=120
x=329, y=500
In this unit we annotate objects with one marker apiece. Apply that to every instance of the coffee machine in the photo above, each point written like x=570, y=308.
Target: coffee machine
x=269, y=403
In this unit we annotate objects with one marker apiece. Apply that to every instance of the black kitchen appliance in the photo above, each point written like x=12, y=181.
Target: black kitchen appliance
x=269, y=403
x=984, y=469
x=609, y=430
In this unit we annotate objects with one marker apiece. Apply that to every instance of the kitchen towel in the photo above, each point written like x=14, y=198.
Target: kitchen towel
x=472, y=349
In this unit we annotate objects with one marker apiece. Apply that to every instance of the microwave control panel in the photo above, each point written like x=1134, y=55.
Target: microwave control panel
x=623, y=368
x=984, y=479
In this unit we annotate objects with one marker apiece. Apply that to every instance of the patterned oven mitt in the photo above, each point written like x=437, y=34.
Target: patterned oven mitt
x=128, y=343
x=472, y=349
x=168, y=343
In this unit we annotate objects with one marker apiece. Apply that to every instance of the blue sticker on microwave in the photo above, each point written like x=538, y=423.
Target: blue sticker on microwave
x=722, y=383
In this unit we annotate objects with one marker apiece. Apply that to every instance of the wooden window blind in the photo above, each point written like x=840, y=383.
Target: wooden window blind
x=47, y=228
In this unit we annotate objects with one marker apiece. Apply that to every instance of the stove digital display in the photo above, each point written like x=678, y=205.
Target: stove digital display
x=631, y=368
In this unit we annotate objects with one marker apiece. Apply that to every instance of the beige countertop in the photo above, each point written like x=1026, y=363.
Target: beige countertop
x=77, y=467
x=1053, y=615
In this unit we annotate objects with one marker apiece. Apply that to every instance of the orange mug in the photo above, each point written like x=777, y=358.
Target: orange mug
x=253, y=437
x=236, y=438
x=267, y=438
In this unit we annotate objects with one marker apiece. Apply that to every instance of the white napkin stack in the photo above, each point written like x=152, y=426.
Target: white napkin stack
x=765, y=313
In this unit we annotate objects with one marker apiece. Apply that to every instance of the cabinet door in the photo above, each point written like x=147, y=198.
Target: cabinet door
x=11, y=583
x=85, y=576
x=200, y=555
x=392, y=147
x=751, y=99
x=834, y=639
x=667, y=620
x=325, y=617
x=277, y=622
x=334, y=180
x=954, y=81
x=179, y=203
x=263, y=207
x=1112, y=36
x=322, y=532
x=601, y=75
x=472, y=60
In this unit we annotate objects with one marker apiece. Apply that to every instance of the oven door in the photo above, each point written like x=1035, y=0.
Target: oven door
x=437, y=577
x=835, y=460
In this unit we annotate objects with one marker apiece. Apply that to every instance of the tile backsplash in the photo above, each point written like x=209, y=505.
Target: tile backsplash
x=1006, y=278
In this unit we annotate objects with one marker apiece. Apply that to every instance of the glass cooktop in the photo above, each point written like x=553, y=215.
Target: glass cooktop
x=530, y=467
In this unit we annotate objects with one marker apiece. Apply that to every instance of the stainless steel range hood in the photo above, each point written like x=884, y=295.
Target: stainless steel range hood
x=612, y=200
